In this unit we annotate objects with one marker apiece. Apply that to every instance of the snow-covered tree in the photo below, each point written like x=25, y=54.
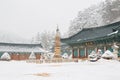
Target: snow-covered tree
x=90, y=17
x=47, y=39
x=37, y=39
x=32, y=40
x=111, y=11
x=97, y=15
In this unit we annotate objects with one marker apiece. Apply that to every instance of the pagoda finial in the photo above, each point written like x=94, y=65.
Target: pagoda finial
x=57, y=28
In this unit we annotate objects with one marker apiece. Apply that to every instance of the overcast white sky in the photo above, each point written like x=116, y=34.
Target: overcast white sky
x=27, y=17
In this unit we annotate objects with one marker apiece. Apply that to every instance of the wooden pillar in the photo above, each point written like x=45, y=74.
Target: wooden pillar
x=78, y=52
x=96, y=49
x=72, y=53
x=105, y=48
x=85, y=52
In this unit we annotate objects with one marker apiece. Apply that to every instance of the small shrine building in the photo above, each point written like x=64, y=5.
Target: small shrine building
x=18, y=51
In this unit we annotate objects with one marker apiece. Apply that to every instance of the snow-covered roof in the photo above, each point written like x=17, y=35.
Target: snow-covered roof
x=91, y=34
x=112, y=33
x=15, y=47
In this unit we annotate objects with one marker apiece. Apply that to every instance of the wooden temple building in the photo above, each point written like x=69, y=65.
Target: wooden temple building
x=19, y=51
x=89, y=39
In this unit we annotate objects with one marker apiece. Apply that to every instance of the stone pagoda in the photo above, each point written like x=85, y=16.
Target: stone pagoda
x=57, y=47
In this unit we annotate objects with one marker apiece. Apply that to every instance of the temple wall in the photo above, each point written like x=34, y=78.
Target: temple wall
x=38, y=56
x=84, y=50
x=23, y=56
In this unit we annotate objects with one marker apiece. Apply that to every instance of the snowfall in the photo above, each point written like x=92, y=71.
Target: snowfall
x=82, y=70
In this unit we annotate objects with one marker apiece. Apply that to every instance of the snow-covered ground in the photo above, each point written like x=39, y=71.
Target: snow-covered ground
x=83, y=70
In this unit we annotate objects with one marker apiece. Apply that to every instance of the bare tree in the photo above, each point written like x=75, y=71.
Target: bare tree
x=38, y=38
x=47, y=39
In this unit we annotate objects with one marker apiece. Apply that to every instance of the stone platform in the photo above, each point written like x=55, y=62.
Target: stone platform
x=58, y=60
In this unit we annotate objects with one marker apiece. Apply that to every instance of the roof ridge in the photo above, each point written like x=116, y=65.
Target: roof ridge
x=19, y=43
x=103, y=25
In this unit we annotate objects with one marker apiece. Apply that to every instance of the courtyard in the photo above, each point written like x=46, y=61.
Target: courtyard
x=82, y=70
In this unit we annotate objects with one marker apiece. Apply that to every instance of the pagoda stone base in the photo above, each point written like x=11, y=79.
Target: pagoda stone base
x=60, y=60
x=54, y=60
x=57, y=56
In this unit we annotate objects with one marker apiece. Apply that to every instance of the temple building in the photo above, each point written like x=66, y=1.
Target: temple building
x=19, y=51
x=89, y=39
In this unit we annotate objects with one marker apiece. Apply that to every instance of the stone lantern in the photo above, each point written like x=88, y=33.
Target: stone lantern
x=115, y=50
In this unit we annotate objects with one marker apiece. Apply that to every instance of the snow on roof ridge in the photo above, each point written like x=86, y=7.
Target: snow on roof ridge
x=15, y=47
x=17, y=43
x=102, y=25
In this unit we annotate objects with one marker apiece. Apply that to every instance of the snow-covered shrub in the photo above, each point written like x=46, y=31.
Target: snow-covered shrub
x=32, y=56
x=65, y=56
x=93, y=56
x=108, y=55
x=70, y=56
x=5, y=56
x=50, y=55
